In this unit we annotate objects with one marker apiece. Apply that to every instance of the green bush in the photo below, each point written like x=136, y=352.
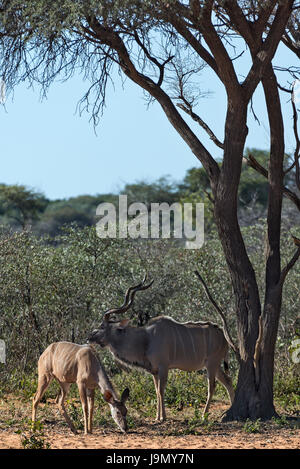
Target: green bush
x=54, y=289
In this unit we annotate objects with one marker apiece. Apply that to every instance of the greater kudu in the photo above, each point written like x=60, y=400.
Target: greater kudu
x=164, y=344
x=72, y=363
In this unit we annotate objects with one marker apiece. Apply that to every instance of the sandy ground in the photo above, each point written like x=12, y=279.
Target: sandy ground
x=180, y=431
x=234, y=440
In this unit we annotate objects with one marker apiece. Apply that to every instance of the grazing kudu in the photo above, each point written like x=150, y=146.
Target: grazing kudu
x=72, y=363
x=164, y=344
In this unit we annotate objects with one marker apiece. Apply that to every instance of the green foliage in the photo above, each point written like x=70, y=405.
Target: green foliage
x=253, y=186
x=21, y=204
x=281, y=421
x=142, y=392
x=198, y=425
x=186, y=389
x=252, y=426
x=33, y=437
x=57, y=289
x=75, y=413
x=162, y=190
x=286, y=387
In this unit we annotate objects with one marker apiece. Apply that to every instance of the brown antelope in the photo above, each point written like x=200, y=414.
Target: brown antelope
x=72, y=363
x=164, y=344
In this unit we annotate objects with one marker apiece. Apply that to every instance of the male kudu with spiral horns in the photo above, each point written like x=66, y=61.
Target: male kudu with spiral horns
x=165, y=344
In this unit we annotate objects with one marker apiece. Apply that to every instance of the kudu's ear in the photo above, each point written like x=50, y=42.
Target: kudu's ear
x=125, y=395
x=107, y=396
x=124, y=323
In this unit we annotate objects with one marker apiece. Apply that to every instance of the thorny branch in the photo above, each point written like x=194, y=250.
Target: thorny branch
x=220, y=312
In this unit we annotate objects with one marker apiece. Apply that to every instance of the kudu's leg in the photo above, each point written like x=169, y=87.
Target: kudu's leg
x=61, y=405
x=43, y=383
x=58, y=396
x=155, y=379
x=90, y=400
x=83, y=397
x=211, y=373
x=160, y=381
x=226, y=381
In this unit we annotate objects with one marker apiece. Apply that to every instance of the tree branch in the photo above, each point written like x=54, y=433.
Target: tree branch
x=152, y=59
x=109, y=37
x=181, y=28
x=297, y=139
x=196, y=118
x=240, y=22
x=224, y=63
x=296, y=134
x=262, y=20
x=253, y=163
x=263, y=57
x=220, y=312
x=289, y=266
x=288, y=42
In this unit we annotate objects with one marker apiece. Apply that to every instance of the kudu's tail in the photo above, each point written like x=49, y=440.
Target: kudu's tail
x=225, y=362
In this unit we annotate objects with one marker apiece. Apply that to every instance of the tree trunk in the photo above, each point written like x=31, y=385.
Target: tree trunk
x=247, y=402
x=250, y=402
x=273, y=289
x=255, y=399
x=254, y=392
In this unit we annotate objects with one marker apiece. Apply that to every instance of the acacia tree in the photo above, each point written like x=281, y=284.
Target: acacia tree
x=22, y=204
x=162, y=46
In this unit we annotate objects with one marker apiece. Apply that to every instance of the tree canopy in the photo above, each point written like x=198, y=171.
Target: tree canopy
x=21, y=204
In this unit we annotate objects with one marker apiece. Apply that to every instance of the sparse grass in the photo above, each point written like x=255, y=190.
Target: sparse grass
x=286, y=389
x=252, y=426
x=75, y=413
x=32, y=437
x=196, y=424
x=183, y=423
x=185, y=398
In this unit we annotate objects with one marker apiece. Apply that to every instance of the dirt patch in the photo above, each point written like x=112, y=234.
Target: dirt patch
x=181, y=431
x=99, y=440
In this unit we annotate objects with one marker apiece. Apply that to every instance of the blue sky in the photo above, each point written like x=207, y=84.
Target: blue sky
x=48, y=146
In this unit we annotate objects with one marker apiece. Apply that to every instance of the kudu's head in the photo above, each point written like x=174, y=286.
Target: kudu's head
x=111, y=330
x=118, y=409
